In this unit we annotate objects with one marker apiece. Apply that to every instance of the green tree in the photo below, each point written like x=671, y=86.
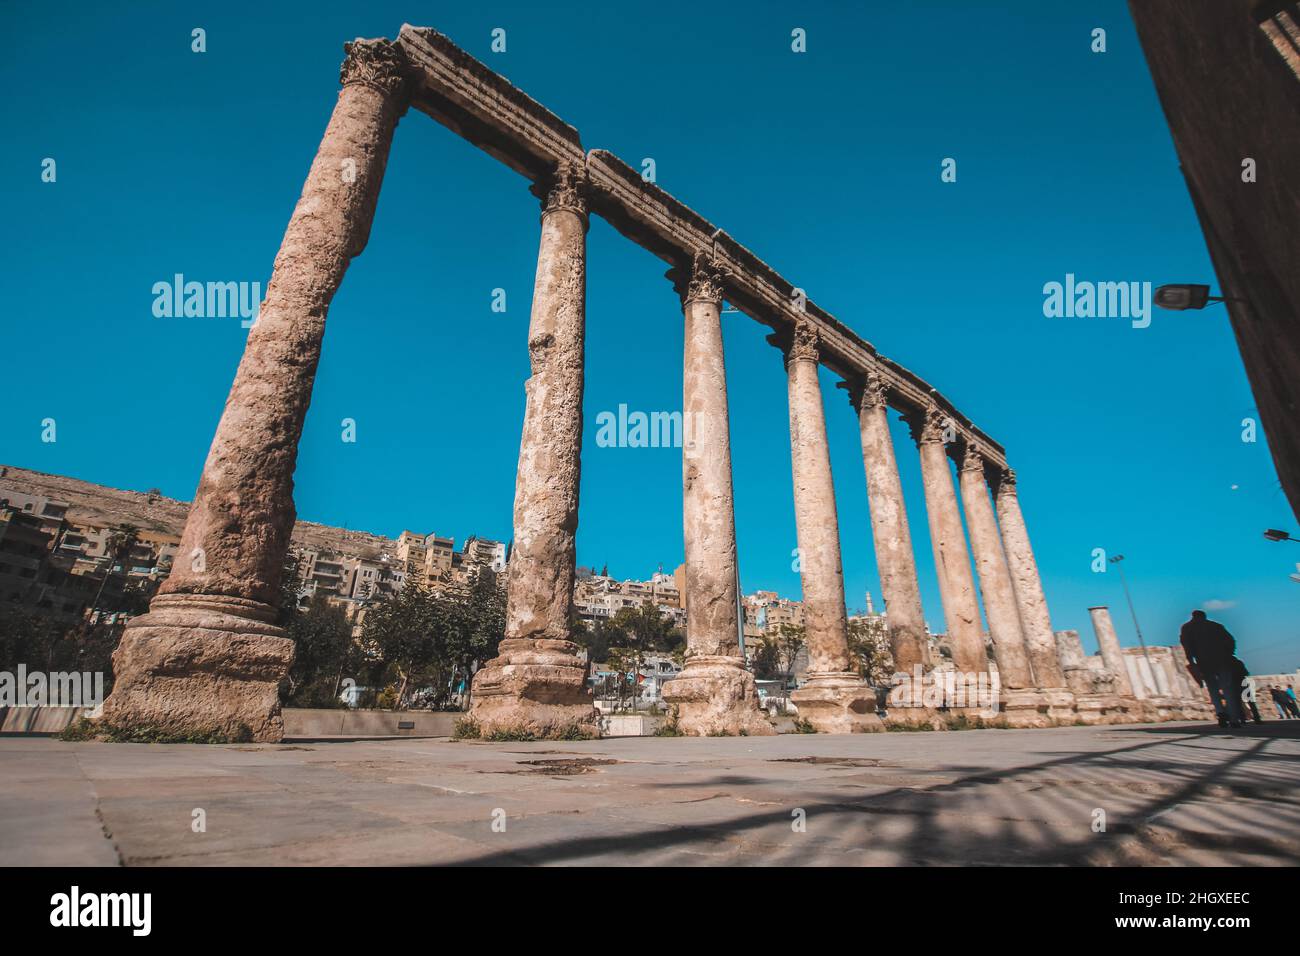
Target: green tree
x=778, y=651
x=405, y=632
x=323, y=651
x=870, y=651
x=477, y=624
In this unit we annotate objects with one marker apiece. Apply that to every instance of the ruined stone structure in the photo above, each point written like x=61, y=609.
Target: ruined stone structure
x=207, y=655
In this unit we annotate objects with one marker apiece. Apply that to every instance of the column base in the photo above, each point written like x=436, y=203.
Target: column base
x=914, y=718
x=201, y=665
x=1061, y=705
x=1102, y=709
x=838, y=703
x=1027, y=708
x=1162, y=709
x=534, y=688
x=716, y=697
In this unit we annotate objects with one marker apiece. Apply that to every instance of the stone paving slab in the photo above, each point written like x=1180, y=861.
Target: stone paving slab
x=1182, y=794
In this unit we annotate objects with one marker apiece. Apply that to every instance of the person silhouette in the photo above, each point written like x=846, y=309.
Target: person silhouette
x=1279, y=701
x=1245, y=687
x=1210, y=650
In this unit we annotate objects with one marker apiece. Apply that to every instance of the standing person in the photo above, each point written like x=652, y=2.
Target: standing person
x=1209, y=649
x=1279, y=698
x=1245, y=687
x=1288, y=692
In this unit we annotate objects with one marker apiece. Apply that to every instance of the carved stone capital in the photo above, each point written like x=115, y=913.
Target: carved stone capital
x=378, y=64
x=804, y=345
x=1007, y=482
x=972, y=459
x=873, y=392
x=567, y=189
x=706, y=281
x=928, y=427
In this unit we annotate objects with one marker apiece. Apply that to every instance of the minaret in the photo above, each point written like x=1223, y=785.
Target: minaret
x=871, y=610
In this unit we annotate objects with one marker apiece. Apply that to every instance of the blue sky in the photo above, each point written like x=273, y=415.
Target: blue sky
x=825, y=163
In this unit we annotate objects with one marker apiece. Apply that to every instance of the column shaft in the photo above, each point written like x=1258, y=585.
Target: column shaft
x=708, y=505
x=714, y=694
x=1111, y=655
x=537, y=684
x=994, y=577
x=542, y=558
x=1034, y=617
x=890, y=533
x=816, y=523
x=206, y=656
x=834, y=698
x=243, y=512
x=952, y=563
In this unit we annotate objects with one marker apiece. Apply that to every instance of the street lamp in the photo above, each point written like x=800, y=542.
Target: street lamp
x=1185, y=296
x=1116, y=560
x=1273, y=534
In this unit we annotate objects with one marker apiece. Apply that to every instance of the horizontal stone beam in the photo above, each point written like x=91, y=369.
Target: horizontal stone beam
x=484, y=108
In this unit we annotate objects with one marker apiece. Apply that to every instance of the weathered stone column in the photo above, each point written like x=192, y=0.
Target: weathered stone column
x=889, y=529
x=537, y=684
x=1111, y=655
x=1040, y=642
x=206, y=658
x=1093, y=688
x=834, y=699
x=1021, y=706
x=994, y=576
x=714, y=694
x=1073, y=661
x=952, y=564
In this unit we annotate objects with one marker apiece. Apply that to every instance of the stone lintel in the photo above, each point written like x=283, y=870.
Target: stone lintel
x=481, y=106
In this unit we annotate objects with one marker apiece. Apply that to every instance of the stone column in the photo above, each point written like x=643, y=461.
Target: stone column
x=1111, y=655
x=952, y=564
x=1021, y=706
x=714, y=694
x=834, y=698
x=889, y=530
x=537, y=685
x=1094, y=689
x=1035, y=620
x=994, y=576
x=1073, y=661
x=207, y=658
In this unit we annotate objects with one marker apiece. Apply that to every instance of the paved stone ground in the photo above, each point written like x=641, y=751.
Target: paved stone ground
x=1172, y=793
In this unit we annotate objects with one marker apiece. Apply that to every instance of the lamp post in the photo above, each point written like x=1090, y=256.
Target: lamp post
x=1184, y=296
x=1117, y=561
x=1273, y=534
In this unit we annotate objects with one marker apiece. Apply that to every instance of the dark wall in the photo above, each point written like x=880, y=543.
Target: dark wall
x=1229, y=94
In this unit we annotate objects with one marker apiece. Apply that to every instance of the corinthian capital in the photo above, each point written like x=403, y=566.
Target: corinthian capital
x=873, y=392
x=706, y=280
x=804, y=345
x=1007, y=482
x=567, y=189
x=377, y=64
x=931, y=426
x=972, y=459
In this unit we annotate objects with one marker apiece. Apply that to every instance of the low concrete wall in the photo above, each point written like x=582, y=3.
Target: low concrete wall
x=38, y=720
x=323, y=723
x=299, y=722
x=628, y=725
